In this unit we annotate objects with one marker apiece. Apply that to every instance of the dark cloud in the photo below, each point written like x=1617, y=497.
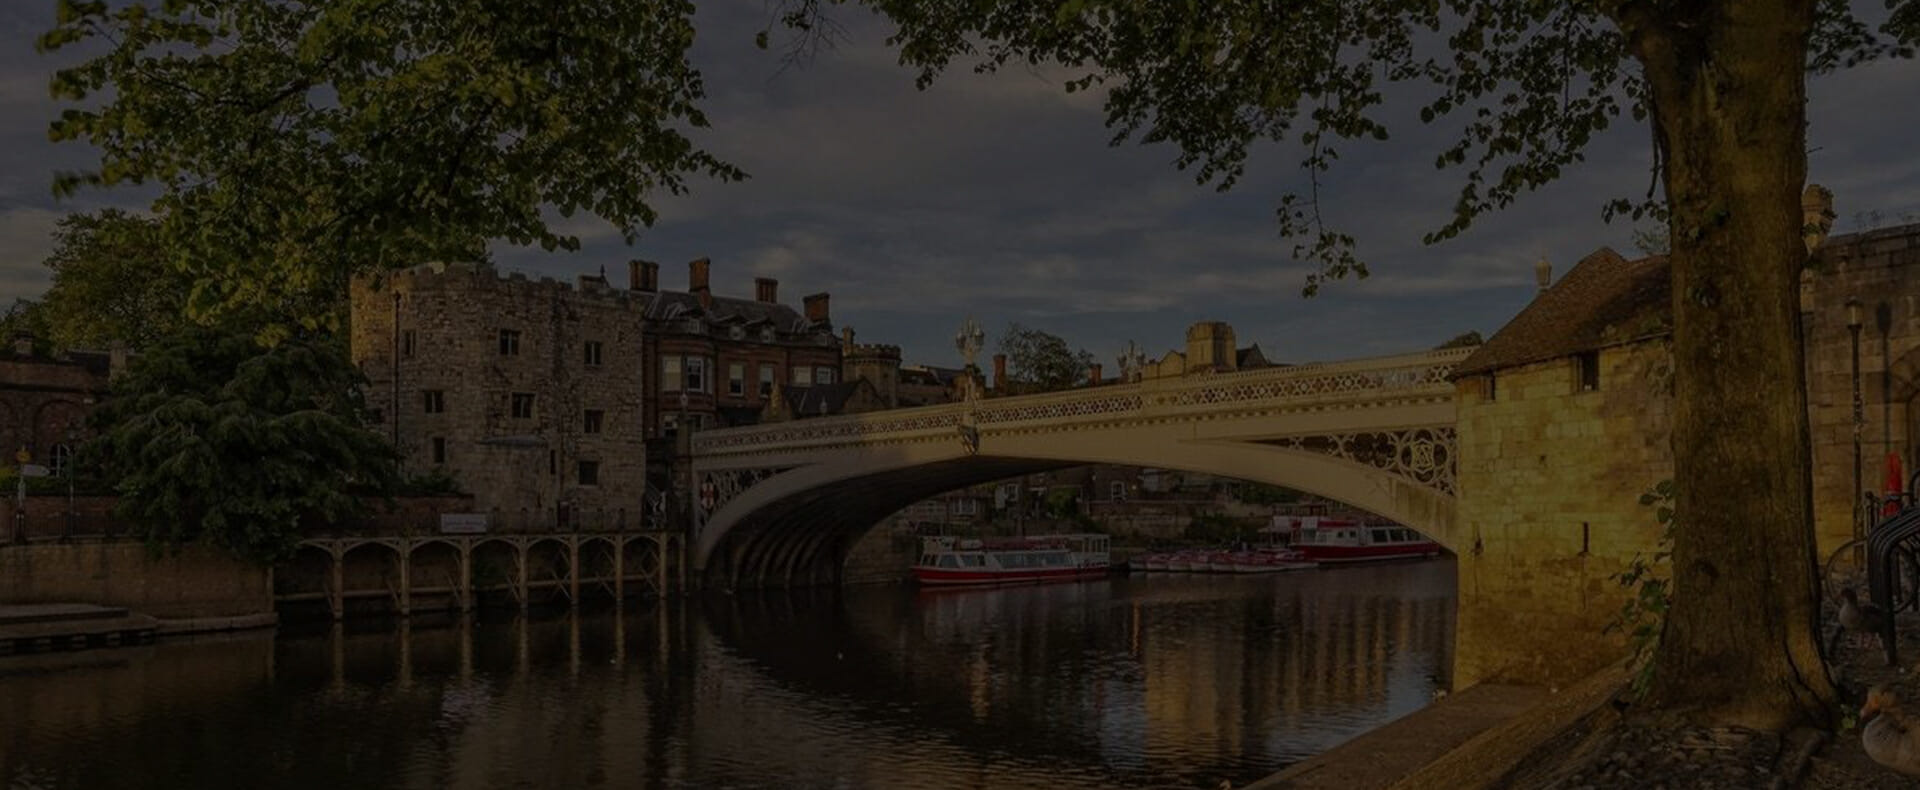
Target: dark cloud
x=998, y=196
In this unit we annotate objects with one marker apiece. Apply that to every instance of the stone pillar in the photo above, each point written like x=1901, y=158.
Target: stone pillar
x=404, y=603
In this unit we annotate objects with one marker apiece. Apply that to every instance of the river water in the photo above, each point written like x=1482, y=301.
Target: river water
x=1149, y=681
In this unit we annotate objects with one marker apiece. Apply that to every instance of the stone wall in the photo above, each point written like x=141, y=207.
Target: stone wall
x=1549, y=482
x=1877, y=268
x=449, y=341
x=196, y=582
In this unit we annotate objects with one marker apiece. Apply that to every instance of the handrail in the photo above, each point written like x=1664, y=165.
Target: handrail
x=1396, y=374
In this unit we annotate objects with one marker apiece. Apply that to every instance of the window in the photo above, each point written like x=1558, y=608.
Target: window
x=670, y=424
x=697, y=374
x=593, y=354
x=1587, y=365
x=1117, y=490
x=589, y=473
x=433, y=401
x=669, y=374
x=1493, y=387
x=595, y=419
x=439, y=450
x=963, y=507
x=736, y=379
x=823, y=375
x=406, y=343
x=767, y=372
x=553, y=462
x=799, y=375
x=62, y=458
x=522, y=405
x=509, y=342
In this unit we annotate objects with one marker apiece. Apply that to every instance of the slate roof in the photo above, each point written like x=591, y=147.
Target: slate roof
x=1605, y=300
x=1250, y=357
x=806, y=401
x=668, y=305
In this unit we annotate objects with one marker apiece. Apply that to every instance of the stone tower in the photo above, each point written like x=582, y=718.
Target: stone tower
x=1210, y=347
x=878, y=364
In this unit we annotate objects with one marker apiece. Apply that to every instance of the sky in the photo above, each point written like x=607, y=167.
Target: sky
x=997, y=196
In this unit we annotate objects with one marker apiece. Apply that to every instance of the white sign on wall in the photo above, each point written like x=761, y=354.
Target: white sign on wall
x=463, y=523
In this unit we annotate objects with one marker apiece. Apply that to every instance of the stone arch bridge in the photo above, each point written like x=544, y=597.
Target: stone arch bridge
x=782, y=504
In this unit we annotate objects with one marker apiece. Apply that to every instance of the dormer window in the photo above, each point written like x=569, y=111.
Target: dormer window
x=737, y=332
x=766, y=334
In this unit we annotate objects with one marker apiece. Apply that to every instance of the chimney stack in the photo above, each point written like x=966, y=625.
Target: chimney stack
x=697, y=281
x=1816, y=215
x=643, y=276
x=766, y=289
x=1093, y=375
x=816, y=308
x=846, y=339
x=1543, y=273
x=1000, y=373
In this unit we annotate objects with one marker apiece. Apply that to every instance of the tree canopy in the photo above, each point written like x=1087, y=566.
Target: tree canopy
x=110, y=282
x=1039, y=361
x=211, y=438
x=296, y=144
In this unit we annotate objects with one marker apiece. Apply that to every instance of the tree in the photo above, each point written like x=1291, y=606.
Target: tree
x=1462, y=340
x=294, y=145
x=25, y=318
x=1038, y=361
x=110, y=282
x=1723, y=84
x=211, y=438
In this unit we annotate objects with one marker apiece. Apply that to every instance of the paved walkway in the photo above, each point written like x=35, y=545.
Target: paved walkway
x=1387, y=754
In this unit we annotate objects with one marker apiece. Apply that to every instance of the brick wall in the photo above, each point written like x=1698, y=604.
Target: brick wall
x=194, y=582
x=1549, y=482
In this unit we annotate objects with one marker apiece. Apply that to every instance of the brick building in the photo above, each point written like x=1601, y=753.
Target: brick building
x=45, y=401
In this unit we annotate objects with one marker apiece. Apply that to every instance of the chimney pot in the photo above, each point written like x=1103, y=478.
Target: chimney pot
x=1543, y=273
x=1093, y=375
x=697, y=281
x=766, y=289
x=999, y=373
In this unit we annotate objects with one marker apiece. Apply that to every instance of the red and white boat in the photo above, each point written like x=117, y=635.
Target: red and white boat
x=952, y=560
x=1338, y=540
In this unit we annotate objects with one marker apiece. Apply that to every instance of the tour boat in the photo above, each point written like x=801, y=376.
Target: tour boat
x=1336, y=540
x=951, y=560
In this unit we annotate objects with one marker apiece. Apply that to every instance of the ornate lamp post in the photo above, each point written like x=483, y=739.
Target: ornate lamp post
x=1854, y=320
x=1132, y=362
x=969, y=340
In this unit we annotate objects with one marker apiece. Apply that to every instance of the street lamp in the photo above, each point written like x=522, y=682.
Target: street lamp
x=969, y=340
x=1854, y=320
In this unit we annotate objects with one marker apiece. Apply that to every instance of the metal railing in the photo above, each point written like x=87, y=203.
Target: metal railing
x=1893, y=560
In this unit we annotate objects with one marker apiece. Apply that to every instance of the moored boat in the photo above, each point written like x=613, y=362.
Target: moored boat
x=951, y=560
x=1335, y=540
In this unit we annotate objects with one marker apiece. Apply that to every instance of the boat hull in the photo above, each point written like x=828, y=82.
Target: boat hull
x=952, y=576
x=1336, y=553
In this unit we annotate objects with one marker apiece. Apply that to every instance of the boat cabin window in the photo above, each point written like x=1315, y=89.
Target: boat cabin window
x=948, y=561
x=974, y=560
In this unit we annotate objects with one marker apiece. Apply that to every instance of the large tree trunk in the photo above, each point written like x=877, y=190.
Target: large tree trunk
x=1729, y=89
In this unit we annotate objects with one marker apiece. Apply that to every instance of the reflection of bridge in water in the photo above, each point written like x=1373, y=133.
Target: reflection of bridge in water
x=788, y=500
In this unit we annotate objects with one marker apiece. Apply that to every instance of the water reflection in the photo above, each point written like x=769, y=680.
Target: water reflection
x=1177, y=680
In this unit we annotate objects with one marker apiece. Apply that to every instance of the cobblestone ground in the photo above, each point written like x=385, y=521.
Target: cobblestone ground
x=1638, y=757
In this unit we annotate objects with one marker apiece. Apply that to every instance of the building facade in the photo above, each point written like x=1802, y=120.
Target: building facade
x=45, y=400
x=526, y=391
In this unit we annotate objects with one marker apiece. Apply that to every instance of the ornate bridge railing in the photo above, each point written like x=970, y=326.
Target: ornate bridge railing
x=1406, y=377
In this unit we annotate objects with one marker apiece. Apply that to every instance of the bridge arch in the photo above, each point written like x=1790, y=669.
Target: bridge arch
x=788, y=500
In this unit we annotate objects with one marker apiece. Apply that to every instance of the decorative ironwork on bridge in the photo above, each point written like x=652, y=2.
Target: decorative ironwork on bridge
x=1422, y=455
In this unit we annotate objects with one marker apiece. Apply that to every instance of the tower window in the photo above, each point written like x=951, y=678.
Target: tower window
x=509, y=342
x=1587, y=363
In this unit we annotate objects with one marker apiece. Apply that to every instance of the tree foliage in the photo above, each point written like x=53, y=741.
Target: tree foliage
x=1039, y=361
x=211, y=438
x=110, y=282
x=1462, y=340
x=295, y=144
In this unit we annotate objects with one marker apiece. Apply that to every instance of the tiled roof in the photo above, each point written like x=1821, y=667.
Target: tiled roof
x=806, y=401
x=1605, y=300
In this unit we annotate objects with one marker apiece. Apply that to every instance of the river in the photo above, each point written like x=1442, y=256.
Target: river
x=1151, y=681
